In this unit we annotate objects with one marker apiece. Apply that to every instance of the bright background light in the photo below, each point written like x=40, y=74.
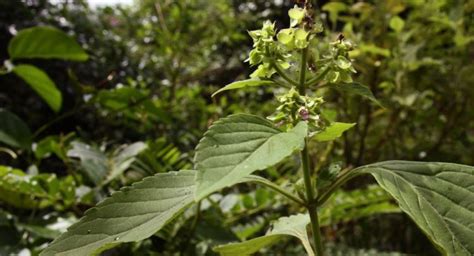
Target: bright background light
x=95, y=3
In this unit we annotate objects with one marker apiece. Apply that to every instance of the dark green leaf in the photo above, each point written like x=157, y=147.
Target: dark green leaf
x=238, y=145
x=45, y=42
x=41, y=83
x=131, y=214
x=13, y=131
x=243, y=84
x=437, y=196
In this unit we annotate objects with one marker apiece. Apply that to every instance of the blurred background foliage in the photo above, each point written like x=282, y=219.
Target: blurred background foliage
x=139, y=105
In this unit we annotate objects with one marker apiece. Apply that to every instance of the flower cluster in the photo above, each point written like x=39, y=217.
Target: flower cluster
x=337, y=64
x=295, y=107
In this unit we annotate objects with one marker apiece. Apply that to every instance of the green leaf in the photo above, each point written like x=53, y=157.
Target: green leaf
x=29, y=191
x=397, y=24
x=286, y=226
x=41, y=83
x=131, y=214
x=243, y=84
x=47, y=43
x=333, y=131
x=358, y=89
x=238, y=145
x=437, y=196
x=13, y=131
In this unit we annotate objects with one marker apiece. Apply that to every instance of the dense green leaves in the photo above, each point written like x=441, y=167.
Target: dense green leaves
x=131, y=214
x=333, y=131
x=358, y=89
x=437, y=196
x=41, y=83
x=34, y=191
x=45, y=42
x=243, y=84
x=238, y=145
x=286, y=226
x=13, y=131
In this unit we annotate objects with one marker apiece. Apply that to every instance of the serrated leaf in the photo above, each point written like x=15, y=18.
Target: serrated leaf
x=131, y=214
x=358, y=89
x=13, y=131
x=333, y=131
x=45, y=42
x=41, y=83
x=238, y=145
x=437, y=196
x=286, y=226
x=243, y=84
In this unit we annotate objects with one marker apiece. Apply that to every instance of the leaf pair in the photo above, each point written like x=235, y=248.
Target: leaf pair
x=44, y=43
x=437, y=196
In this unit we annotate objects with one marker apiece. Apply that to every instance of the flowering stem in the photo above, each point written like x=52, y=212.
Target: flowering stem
x=311, y=205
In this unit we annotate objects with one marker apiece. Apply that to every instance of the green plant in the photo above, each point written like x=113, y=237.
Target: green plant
x=41, y=43
x=435, y=195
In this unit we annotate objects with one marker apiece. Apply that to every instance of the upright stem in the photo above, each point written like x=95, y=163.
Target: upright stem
x=310, y=193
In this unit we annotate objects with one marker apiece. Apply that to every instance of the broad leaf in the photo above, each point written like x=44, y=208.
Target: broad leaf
x=333, y=131
x=13, y=131
x=437, y=196
x=45, y=42
x=131, y=214
x=242, y=84
x=286, y=226
x=238, y=145
x=358, y=89
x=41, y=83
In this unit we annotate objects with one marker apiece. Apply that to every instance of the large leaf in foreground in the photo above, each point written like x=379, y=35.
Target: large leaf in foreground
x=45, y=42
x=134, y=213
x=243, y=84
x=41, y=83
x=238, y=145
x=286, y=226
x=437, y=196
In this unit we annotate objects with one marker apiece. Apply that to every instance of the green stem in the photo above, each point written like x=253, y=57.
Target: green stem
x=282, y=73
x=344, y=177
x=310, y=193
x=275, y=187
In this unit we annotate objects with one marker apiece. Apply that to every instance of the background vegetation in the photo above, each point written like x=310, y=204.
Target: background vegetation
x=142, y=100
